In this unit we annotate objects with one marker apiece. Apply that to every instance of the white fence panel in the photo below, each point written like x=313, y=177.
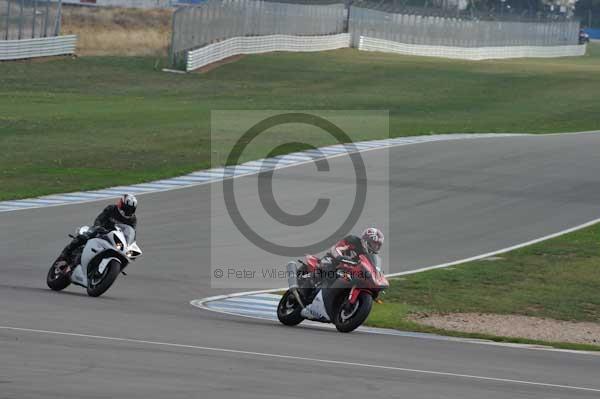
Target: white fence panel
x=123, y=3
x=471, y=53
x=41, y=47
x=263, y=44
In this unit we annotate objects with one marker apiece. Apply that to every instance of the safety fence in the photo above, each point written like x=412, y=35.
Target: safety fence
x=263, y=44
x=213, y=21
x=40, y=47
x=470, y=53
x=126, y=3
x=28, y=19
x=444, y=31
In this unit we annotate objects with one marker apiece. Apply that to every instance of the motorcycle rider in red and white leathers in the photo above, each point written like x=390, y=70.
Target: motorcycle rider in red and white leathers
x=348, y=250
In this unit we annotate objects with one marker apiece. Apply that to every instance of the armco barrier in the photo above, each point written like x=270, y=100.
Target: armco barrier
x=470, y=53
x=263, y=44
x=41, y=47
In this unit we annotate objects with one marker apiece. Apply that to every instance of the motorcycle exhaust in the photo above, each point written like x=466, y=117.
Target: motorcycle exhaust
x=292, y=271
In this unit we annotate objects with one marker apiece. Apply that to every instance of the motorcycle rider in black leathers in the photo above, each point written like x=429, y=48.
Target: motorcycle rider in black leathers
x=123, y=212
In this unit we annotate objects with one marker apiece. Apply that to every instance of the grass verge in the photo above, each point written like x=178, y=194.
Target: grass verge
x=556, y=279
x=92, y=122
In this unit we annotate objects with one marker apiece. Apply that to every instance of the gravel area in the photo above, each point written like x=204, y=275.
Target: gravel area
x=515, y=326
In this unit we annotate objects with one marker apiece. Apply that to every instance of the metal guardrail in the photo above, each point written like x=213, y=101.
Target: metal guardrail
x=263, y=44
x=40, y=47
x=470, y=53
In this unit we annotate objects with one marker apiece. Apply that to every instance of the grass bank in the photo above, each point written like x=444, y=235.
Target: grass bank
x=71, y=124
x=558, y=279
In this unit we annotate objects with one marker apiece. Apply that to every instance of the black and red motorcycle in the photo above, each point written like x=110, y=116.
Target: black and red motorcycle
x=344, y=299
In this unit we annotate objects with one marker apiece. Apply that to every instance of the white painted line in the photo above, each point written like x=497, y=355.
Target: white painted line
x=110, y=192
x=500, y=251
x=251, y=300
x=241, y=307
x=171, y=183
x=264, y=313
x=68, y=197
x=21, y=204
x=87, y=195
x=306, y=359
x=138, y=188
x=191, y=179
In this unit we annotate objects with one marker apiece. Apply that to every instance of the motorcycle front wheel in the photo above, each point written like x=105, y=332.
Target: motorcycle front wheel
x=348, y=317
x=288, y=310
x=98, y=283
x=56, y=279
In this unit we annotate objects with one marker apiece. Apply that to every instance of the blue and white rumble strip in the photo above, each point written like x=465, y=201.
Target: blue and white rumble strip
x=263, y=305
x=217, y=174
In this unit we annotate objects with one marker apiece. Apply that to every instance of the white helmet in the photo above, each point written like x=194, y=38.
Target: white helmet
x=127, y=205
x=372, y=239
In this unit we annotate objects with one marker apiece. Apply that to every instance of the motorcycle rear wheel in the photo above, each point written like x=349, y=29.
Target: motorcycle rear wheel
x=349, y=317
x=288, y=310
x=106, y=280
x=56, y=279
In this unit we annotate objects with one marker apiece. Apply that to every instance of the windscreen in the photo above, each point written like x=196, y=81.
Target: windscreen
x=376, y=261
x=128, y=232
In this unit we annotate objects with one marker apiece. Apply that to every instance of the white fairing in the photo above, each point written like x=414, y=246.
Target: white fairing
x=104, y=263
x=316, y=310
x=121, y=240
x=78, y=277
x=93, y=248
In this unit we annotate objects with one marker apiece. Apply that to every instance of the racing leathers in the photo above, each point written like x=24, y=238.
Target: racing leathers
x=346, y=250
x=104, y=223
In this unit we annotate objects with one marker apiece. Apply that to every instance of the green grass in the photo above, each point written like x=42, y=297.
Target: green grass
x=71, y=124
x=557, y=279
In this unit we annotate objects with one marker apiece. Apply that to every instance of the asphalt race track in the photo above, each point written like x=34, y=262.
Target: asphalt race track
x=447, y=201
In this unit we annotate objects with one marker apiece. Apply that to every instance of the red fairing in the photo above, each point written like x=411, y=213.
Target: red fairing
x=377, y=279
x=354, y=292
x=372, y=280
x=312, y=262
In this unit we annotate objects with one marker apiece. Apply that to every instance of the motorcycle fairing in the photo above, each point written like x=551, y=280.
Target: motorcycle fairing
x=316, y=310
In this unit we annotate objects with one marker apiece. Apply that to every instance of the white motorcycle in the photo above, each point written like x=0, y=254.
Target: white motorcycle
x=100, y=262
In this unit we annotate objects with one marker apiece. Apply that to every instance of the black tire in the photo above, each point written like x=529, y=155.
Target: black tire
x=288, y=310
x=358, y=315
x=57, y=281
x=108, y=278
